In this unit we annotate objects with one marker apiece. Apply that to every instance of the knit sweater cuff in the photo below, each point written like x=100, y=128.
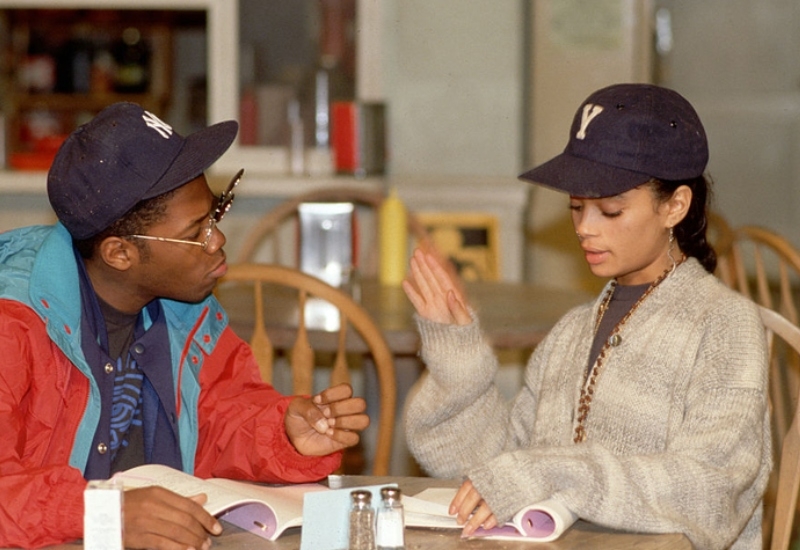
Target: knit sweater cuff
x=457, y=356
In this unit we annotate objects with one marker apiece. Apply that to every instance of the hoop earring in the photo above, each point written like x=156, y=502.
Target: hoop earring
x=671, y=248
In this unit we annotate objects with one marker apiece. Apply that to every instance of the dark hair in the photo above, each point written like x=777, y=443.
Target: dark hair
x=135, y=222
x=691, y=231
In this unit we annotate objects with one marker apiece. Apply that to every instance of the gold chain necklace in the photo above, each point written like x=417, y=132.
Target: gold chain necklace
x=614, y=339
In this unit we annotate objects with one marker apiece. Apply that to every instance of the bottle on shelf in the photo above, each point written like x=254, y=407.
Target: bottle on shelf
x=393, y=233
x=248, y=101
x=132, y=56
x=81, y=59
x=335, y=78
x=297, y=147
x=37, y=72
x=104, y=68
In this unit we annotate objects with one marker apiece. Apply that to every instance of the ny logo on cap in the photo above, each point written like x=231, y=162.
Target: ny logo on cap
x=157, y=124
x=590, y=110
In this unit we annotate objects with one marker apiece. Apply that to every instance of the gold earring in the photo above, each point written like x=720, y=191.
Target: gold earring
x=671, y=248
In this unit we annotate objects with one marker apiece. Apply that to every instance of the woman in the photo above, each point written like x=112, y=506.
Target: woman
x=645, y=410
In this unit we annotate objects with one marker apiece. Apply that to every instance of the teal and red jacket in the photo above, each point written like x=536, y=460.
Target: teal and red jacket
x=230, y=423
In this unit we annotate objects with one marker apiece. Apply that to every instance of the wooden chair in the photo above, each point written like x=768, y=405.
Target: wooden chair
x=783, y=338
x=303, y=359
x=765, y=267
x=279, y=224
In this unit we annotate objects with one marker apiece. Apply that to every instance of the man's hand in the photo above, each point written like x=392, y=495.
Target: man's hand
x=327, y=423
x=471, y=510
x=159, y=519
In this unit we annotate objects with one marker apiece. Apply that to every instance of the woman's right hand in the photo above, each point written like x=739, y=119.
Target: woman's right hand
x=433, y=292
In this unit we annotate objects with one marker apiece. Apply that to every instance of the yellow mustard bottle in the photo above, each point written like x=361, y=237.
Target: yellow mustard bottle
x=393, y=233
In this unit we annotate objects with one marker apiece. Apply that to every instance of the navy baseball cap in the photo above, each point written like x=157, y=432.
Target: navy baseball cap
x=623, y=136
x=122, y=156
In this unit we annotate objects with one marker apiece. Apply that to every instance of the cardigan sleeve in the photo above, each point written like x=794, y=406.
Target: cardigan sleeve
x=456, y=415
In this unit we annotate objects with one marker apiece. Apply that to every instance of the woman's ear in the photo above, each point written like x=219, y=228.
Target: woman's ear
x=118, y=253
x=678, y=205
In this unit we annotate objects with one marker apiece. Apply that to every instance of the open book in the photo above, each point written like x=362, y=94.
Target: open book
x=263, y=510
x=542, y=522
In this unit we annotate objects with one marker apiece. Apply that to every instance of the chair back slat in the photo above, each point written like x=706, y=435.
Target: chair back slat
x=788, y=306
x=341, y=371
x=720, y=234
x=740, y=275
x=302, y=356
x=762, y=280
x=260, y=342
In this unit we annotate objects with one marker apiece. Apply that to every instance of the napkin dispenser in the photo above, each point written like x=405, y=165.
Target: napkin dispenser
x=327, y=252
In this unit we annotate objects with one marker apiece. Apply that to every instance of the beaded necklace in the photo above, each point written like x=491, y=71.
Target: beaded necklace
x=614, y=340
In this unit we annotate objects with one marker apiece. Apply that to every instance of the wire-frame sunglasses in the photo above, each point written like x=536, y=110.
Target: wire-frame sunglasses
x=224, y=203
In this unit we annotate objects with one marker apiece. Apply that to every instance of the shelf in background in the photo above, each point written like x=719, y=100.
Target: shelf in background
x=32, y=182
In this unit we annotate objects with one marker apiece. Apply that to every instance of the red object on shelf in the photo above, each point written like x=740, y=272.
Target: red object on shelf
x=345, y=138
x=248, y=118
x=31, y=161
x=44, y=151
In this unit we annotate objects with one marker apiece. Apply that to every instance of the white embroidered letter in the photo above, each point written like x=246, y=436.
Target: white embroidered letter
x=590, y=111
x=157, y=124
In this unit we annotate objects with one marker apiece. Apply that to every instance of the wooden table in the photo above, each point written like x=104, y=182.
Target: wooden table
x=513, y=315
x=581, y=536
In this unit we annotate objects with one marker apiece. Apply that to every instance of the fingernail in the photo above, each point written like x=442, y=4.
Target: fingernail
x=216, y=529
x=317, y=398
x=321, y=425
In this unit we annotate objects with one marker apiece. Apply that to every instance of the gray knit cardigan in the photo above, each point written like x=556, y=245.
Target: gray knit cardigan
x=678, y=435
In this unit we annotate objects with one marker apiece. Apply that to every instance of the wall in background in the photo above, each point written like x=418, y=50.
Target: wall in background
x=454, y=86
x=737, y=62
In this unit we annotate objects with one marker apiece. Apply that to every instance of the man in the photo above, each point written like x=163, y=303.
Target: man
x=115, y=353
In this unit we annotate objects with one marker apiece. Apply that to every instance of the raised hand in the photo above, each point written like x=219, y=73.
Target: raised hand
x=434, y=293
x=327, y=423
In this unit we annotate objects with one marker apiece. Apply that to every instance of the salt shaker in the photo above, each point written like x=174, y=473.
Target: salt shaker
x=362, y=521
x=390, y=529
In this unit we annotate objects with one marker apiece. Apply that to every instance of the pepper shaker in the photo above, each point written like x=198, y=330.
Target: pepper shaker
x=362, y=521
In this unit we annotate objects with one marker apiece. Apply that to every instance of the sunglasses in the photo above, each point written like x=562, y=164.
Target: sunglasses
x=224, y=203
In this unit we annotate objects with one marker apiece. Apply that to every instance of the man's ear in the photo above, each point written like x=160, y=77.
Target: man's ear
x=678, y=205
x=118, y=253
